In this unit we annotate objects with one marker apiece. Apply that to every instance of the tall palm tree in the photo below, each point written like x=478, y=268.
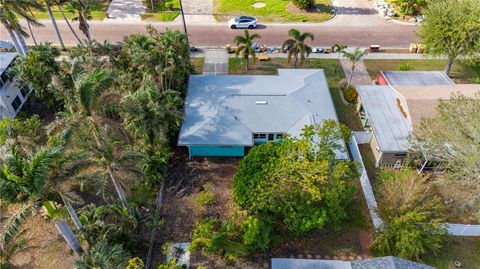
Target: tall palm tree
x=9, y=9
x=11, y=239
x=151, y=115
x=297, y=45
x=48, y=4
x=89, y=107
x=354, y=56
x=81, y=11
x=245, y=46
x=59, y=5
x=339, y=48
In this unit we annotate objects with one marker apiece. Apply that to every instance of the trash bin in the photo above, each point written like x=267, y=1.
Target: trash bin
x=413, y=48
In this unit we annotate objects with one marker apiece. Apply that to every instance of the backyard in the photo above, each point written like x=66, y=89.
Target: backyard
x=273, y=10
x=461, y=72
x=346, y=112
x=215, y=175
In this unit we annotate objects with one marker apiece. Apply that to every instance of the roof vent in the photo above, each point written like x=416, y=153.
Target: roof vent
x=261, y=102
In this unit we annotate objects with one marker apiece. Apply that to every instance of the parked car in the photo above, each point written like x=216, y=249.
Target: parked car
x=243, y=22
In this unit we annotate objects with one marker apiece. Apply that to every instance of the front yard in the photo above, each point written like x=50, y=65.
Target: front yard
x=273, y=11
x=346, y=112
x=98, y=11
x=461, y=72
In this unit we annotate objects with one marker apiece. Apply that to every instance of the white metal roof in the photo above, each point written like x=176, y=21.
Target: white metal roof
x=417, y=78
x=390, y=127
x=5, y=59
x=228, y=109
x=284, y=263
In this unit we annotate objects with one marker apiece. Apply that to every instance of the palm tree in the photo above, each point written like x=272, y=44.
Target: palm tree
x=48, y=4
x=340, y=49
x=104, y=255
x=355, y=56
x=9, y=9
x=297, y=45
x=59, y=5
x=151, y=115
x=81, y=11
x=11, y=241
x=27, y=174
x=245, y=46
x=89, y=107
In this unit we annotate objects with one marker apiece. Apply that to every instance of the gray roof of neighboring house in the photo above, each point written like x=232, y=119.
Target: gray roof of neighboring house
x=417, y=78
x=280, y=263
x=389, y=262
x=390, y=127
x=222, y=110
x=5, y=59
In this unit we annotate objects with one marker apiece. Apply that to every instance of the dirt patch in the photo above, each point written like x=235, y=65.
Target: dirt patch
x=46, y=247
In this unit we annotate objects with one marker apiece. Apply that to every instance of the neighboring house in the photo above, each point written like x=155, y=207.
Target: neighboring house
x=392, y=112
x=389, y=262
x=12, y=94
x=226, y=115
x=414, y=78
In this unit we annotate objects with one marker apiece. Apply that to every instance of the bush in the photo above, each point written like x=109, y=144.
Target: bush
x=214, y=237
x=304, y=3
x=203, y=198
x=351, y=95
x=257, y=234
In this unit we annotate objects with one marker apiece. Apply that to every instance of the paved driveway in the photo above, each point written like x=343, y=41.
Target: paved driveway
x=126, y=10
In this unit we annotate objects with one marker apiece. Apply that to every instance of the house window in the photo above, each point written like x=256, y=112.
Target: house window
x=279, y=136
x=270, y=137
x=16, y=103
x=255, y=136
x=262, y=136
x=24, y=90
x=400, y=155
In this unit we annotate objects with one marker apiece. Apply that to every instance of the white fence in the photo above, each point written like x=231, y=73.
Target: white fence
x=366, y=187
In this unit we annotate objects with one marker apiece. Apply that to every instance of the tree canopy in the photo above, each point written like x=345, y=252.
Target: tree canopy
x=298, y=180
x=452, y=28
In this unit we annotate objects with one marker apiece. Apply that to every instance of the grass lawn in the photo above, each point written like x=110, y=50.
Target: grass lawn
x=197, y=64
x=463, y=249
x=460, y=73
x=173, y=7
x=346, y=113
x=98, y=12
x=274, y=10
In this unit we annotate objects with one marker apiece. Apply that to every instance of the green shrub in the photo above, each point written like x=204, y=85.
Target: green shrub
x=203, y=198
x=257, y=234
x=304, y=3
x=351, y=95
x=214, y=237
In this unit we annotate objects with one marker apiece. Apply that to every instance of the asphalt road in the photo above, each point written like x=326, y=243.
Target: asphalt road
x=356, y=24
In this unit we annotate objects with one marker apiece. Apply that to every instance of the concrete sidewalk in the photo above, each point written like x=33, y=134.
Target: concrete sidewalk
x=197, y=12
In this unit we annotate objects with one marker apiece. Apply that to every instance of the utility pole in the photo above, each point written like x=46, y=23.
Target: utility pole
x=184, y=23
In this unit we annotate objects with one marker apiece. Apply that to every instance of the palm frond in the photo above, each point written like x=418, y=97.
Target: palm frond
x=14, y=225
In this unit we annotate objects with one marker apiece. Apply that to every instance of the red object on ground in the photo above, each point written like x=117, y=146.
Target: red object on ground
x=381, y=80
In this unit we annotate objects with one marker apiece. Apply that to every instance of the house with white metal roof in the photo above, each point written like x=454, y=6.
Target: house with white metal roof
x=225, y=115
x=389, y=262
x=12, y=94
x=392, y=112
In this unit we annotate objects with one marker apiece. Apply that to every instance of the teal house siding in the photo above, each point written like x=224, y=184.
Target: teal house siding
x=232, y=151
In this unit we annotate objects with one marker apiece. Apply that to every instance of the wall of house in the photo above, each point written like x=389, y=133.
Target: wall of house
x=389, y=159
x=374, y=146
x=221, y=151
x=8, y=93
